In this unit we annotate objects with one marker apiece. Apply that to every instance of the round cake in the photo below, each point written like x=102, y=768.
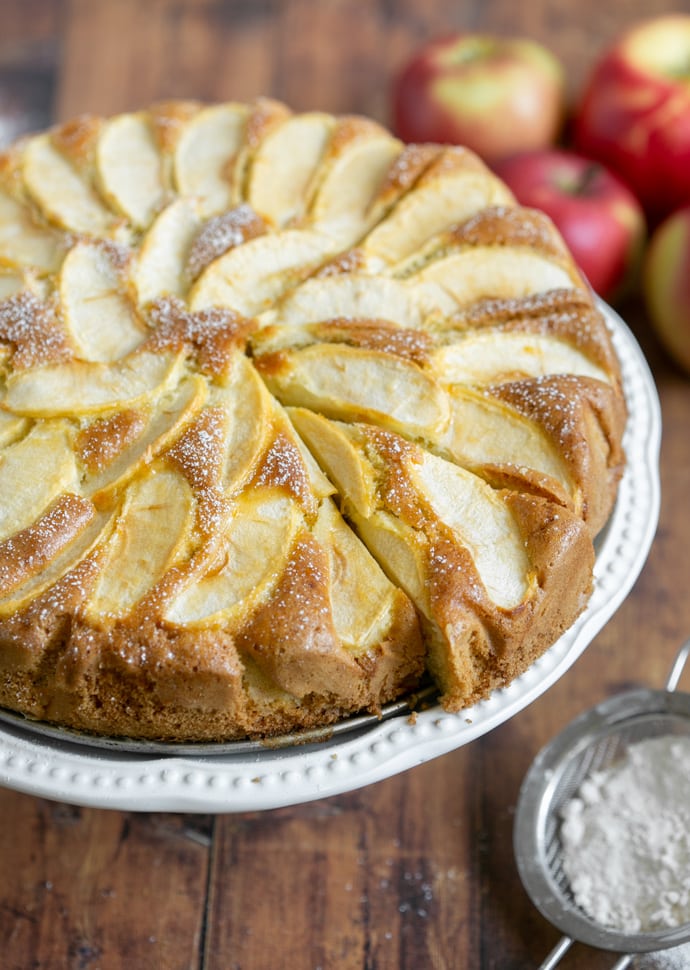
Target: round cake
x=293, y=417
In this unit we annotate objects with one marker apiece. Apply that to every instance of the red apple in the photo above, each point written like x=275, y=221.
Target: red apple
x=600, y=220
x=494, y=95
x=666, y=285
x=635, y=113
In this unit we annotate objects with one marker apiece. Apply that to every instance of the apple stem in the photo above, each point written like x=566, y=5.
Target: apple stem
x=587, y=178
x=580, y=183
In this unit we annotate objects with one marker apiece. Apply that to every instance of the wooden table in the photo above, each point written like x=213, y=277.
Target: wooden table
x=413, y=872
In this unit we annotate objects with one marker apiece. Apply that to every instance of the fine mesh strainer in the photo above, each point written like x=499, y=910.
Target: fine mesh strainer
x=592, y=742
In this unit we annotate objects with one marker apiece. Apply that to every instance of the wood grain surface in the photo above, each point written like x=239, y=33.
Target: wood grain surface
x=416, y=871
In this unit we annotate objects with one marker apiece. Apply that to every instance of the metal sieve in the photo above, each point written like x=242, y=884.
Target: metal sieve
x=592, y=742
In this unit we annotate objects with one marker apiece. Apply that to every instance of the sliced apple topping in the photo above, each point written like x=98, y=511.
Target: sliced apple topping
x=85, y=387
x=30, y=550
x=23, y=242
x=63, y=196
x=12, y=427
x=250, y=277
x=11, y=282
x=336, y=452
x=99, y=315
x=489, y=435
x=248, y=414
x=358, y=297
x=253, y=554
x=584, y=420
x=488, y=356
x=161, y=268
x=33, y=472
x=352, y=172
x=205, y=155
x=116, y=449
x=58, y=551
x=359, y=384
x=284, y=166
x=425, y=492
x=453, y=187
x=481, y=520
x=401, y=176
x=220, y=234
x=362, y=597
x=129, y=168
x=153, y=532
x=485, y=272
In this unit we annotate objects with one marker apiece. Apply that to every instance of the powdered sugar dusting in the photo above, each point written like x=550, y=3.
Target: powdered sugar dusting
x=33, y=330
x=214, y=333
x=221, y=234
x=283, y=467
x=28, y=551
x=380, y=336
x=626, y=838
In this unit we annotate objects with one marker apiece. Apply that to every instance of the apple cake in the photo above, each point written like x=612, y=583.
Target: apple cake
x=292, y=417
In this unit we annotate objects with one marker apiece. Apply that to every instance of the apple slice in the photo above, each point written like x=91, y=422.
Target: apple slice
x=12, y=427
x=424, y=491
x=283, y=167
x=494, y=272
x=353, y=169
x=452, y=188
x=162, y=422
x=339, y=454
x=252, y=556
x=129, y=168
x=363, y=600
x=491, y=357
x=248, y=411
x=85, y=387
x=23, y=242
x=83, y=535
x=11, y=282
x=250, y=277
x=205, y=155
x=348, y=295
x=28, y=551
x=153, y=532
x=161, y=266
x=60, y=192
x=96, y=310
x=33, y=472
x=487, y=433
x=351, y=383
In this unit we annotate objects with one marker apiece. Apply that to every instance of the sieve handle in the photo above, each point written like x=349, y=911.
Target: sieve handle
x=554, y=958
x=562, y=947
x=678, y=666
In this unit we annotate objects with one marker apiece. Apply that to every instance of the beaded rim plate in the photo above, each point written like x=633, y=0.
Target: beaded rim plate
x=246, y=777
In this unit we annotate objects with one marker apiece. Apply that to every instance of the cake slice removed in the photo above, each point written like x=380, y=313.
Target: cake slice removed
x=496, y=575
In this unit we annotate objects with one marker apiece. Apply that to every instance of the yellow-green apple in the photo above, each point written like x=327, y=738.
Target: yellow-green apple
x=666, y=284
x=634, y=115
x=599, y=218
x=495, y=95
